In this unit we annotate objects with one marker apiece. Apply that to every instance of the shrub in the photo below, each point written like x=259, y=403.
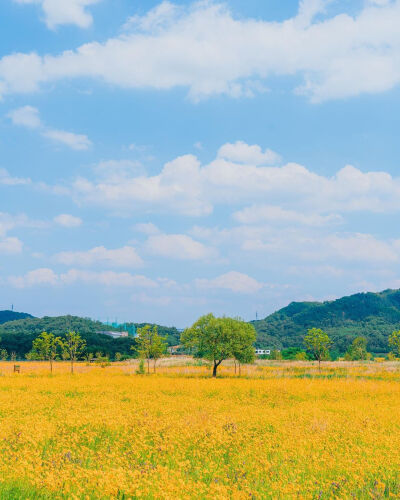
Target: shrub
x=140, y=370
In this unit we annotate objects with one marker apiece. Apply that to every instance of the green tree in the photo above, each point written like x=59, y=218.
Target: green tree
x=3, y=354
x=394, y=342
x=46, y=347
x=318, y=342
x=276, y=354
x=150, y=345
x=217, y=339
x=243, y=343
x=358, y=350
x=73, y=346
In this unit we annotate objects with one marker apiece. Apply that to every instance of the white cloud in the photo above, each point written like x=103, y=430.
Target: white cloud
x=240, y=152
x=10, y=245
x=78, y=142
x=68, y=220
x=43, y=276
x=362, y=247
x=184, y=186
x=178, y=188
x=120, y=257
x=58, y=12
x=107, y=278
x=7, y=180
x=171, y=46
x=29, y=117
x=9, y=221
x=294, y=245
x=267, y=213
x=178, y=246
x=308, y=9
x=46, y=276
x=147, y=228
x=233, y=281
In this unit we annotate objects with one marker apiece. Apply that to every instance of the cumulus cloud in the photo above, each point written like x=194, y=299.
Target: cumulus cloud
x=7, y=179
x=28, y=116
x=178, y=246
x=181, y=46
x=186, y=187
x=68, y=220
x=10, y=245
x=120, y=257
x=78, y=142
x=42, y=276
x=302, y=244
x=46, y=276
x=58, y=12
x=108, y=278
x=233, y=281
x=240, y=152
x=268, y=213
x=178, y=188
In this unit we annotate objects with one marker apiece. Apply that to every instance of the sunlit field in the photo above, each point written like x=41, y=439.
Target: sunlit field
x=281, y=430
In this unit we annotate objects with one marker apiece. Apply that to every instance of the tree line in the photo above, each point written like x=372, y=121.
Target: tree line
x=318, y=343
x=211, y=338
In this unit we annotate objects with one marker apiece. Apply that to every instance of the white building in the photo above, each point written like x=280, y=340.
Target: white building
x=115, y=335
x=261, y=352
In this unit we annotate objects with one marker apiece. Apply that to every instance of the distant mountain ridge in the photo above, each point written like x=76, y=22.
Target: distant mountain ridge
x=8, y=315
x=372, y=315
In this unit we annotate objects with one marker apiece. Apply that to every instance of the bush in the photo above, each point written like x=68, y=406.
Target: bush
x=140, y=370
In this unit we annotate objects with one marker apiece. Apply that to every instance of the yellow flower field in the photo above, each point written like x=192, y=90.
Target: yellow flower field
x=279, y=431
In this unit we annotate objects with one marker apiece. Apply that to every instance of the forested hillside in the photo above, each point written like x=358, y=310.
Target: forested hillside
x=17, y=336
x=12, y=316
x=372, y=315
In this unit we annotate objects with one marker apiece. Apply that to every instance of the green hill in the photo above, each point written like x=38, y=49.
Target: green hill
x=372, y=315
x=6, y=316
x=17, y=336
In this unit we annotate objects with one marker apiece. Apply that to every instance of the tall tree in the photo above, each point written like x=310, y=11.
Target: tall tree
x=73, y=346
x=46, y=347
x=217, y=339
x=243, y=343
x=150, y=345
x=394, y=342
x=318, y=342
x=358, y=350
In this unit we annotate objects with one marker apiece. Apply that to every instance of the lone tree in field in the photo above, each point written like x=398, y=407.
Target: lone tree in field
x=46, y=347
x=318, y=342
x=217, y=339
x=358, y=350
x=150, y=345
x=394, y=342
x=243, y=347
x=73, y=346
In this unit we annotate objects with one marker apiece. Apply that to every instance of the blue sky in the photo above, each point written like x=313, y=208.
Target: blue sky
x=161, y=160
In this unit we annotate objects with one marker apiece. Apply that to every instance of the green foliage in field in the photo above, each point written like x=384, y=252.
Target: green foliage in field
x=371, y=315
